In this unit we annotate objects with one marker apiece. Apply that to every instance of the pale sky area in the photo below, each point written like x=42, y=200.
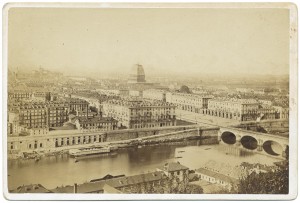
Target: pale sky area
x=194, y=41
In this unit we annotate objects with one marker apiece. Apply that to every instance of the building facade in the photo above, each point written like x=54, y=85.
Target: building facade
x=154, y=94
x=213, y=177
x=76, y=104
x=241, y=110
x=96, y=124
x=33, y=115
x=282, y=112
x=57, y=113
x=13, y=123
x=19, y=95
x=188, y=102
x=137, y=74
x=140, y=114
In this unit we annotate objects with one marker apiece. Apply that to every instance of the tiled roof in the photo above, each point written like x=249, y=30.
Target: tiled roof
x=216, y=175
x=63, y=189
x=90, y=187
x=32, y=188
x=191, y=96
x=109, y=189
x=173, y=166
x=234, y=100
x=97, y=119
x=128, y=102
x=136, y=179
x=111, y=183
x=82, y=188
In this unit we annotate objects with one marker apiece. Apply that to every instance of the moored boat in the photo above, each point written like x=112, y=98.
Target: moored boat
x=86, y=151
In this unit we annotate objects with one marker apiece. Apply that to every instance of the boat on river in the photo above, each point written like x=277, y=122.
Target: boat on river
x=86, y=151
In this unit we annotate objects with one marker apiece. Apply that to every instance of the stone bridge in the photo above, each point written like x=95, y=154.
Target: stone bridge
x=260, y=142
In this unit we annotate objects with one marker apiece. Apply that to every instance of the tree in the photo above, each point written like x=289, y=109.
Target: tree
x=93, y=109
x=194, y=189
x=287, y=155
x=273, y=182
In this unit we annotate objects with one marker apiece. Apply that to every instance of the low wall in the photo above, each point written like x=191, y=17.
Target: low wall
x=17, y=145
x=133, y=134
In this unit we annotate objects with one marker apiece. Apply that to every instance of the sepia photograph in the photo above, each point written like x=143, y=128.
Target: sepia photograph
x=150, y=101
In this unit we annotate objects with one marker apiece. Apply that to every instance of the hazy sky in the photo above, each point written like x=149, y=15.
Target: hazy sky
x=196, y=41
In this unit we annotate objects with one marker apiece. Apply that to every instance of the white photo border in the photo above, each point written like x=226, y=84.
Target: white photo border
x=293, y=101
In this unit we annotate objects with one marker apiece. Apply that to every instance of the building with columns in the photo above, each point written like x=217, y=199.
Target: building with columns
x=240, y=109
x=188, y=102
x=140, y=114
x=96, y=124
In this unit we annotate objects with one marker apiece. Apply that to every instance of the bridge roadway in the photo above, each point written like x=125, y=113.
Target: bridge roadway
x=270, y=144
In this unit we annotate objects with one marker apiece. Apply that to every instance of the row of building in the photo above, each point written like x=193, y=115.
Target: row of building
x=169, y=178
x=40, y=117
x=237, y=109
x=164, y=180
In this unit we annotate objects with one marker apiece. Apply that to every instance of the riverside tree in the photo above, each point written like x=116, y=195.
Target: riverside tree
x=272, y=182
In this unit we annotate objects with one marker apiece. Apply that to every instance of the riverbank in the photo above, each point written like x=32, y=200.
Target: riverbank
x=60, y=170
x=39, y=154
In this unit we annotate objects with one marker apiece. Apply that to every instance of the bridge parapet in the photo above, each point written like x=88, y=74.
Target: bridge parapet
x=261, y=142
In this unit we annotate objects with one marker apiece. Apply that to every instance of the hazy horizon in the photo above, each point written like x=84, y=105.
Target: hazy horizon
x=165, y=41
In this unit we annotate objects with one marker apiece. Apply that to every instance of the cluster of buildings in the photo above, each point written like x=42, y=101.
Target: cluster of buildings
x=40, y=104
x=165, y=179
x=223, y=107
x=169, y=178
x=32, y=116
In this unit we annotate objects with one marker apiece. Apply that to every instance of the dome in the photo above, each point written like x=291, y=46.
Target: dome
x=137, y=74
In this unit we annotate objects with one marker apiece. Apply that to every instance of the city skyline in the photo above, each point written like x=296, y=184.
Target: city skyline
x=108, y=40
x=158, y=100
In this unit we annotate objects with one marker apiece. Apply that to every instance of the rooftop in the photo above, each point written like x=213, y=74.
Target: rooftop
x=136, y=179
x=131, y=103
x=216, y=175
x=191, y=95
x=96, y=119
x=233, y=100
x=173, y=166
x=111, y=184
x=32, y=188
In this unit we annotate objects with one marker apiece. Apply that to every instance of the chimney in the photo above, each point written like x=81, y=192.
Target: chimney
x=75, y=187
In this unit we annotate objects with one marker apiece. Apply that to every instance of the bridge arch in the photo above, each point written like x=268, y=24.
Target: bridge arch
x=249, y=142
x=272, y=148
x=228, y=137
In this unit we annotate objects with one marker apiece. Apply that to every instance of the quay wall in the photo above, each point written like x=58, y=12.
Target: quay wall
x=135, y=134
x=17, y=145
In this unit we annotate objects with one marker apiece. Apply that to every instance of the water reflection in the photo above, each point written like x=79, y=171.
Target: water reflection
x=237, y=151
x=63, y=170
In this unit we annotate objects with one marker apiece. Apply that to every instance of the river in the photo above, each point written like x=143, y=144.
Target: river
x=63, y=170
